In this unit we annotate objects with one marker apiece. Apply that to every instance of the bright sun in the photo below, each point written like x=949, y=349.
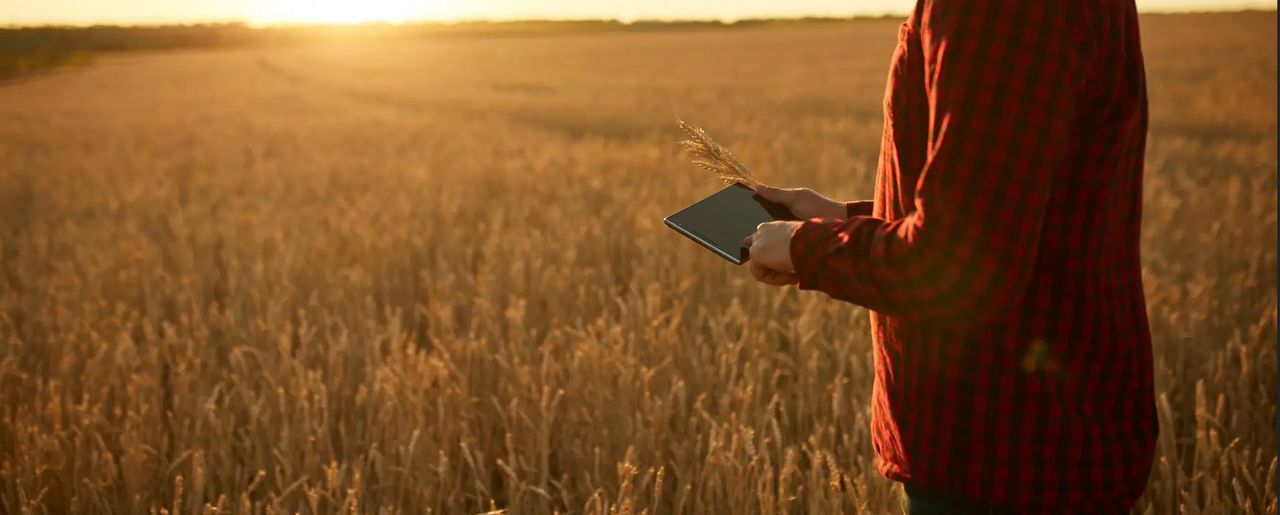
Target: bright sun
x=345, y=11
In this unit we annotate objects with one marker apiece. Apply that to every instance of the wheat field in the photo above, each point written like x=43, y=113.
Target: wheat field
x=430, y=275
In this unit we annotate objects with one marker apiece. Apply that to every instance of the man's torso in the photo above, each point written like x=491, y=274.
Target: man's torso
x=1050, y=403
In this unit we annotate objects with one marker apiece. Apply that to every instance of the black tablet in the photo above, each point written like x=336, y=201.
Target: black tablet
x=723, y=220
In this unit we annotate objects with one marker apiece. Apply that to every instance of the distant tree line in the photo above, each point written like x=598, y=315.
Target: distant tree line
x=27, y=50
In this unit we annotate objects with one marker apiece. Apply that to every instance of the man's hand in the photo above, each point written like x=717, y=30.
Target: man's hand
x=770, y=252
x=804, y=202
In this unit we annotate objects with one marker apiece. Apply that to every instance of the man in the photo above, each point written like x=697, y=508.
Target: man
x=999, y=259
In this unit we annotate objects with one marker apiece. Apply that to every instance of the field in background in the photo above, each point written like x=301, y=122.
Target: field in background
x=431, y=275
x=26, y=51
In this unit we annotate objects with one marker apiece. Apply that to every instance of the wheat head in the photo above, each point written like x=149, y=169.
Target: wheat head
x=708, y=155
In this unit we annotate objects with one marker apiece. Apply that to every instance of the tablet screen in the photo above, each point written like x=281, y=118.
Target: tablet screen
x=721, y=221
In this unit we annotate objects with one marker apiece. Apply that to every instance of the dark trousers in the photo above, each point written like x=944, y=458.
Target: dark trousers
x=917, y=501
x=922, y=502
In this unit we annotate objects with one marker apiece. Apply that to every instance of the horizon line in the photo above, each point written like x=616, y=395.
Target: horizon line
x=1239, y=8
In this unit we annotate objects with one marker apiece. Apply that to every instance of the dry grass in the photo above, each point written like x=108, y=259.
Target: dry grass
x=431, y=276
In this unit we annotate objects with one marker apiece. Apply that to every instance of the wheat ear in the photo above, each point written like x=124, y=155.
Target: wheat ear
x=708, y=155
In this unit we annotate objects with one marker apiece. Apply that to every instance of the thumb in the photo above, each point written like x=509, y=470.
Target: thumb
x=770, y=193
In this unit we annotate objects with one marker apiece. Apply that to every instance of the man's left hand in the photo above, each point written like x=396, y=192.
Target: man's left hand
x=770, y=249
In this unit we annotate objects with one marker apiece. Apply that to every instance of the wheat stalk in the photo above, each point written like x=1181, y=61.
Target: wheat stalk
x=708, y=155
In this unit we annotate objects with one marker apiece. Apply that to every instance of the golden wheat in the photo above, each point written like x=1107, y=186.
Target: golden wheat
x=712, y=157
x=430, y=275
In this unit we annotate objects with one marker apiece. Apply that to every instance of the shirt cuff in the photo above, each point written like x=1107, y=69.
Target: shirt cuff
x=858, y=208
x=810, y=243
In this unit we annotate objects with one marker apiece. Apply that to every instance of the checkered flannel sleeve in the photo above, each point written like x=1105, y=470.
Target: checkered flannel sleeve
x=1000, y=83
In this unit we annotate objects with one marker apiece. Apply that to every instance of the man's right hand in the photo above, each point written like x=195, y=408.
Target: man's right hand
x=804, y=202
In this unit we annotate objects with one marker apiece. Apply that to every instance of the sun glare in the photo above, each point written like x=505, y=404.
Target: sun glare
x=271, y=12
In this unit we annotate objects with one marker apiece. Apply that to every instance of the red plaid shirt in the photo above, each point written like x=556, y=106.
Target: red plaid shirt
x=1000, y=258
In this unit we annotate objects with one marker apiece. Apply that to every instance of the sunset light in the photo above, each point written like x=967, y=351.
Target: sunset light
x=272, y=12
x=287, y=12
x=504, y=257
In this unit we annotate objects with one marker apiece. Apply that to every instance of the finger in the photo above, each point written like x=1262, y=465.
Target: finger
x=758, y=271
x=781, y=279
x=767, y=226
x=747, y=242
x=769, y=276
x=772, y=277
x=774, y=194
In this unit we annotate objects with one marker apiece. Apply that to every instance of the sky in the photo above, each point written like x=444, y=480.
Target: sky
x=266, y=12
